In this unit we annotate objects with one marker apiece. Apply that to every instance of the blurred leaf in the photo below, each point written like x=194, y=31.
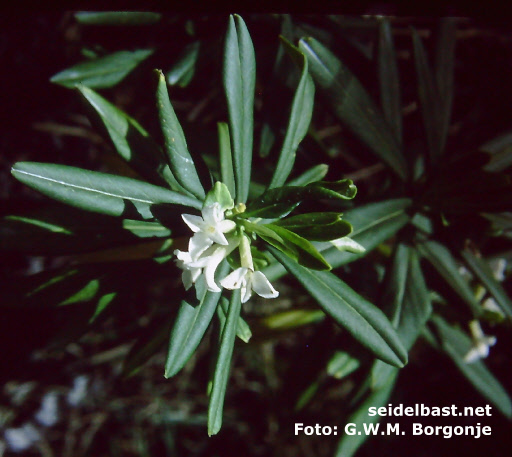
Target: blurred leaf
x=239, y=78
x=117, y=17
x=183, y=70
x=349, y=444
x=300, y=118
x=129, y=138
x=363, y=321
x=457, y=344
x=316, y=226
x=292, y=319
x=99, y=192
x=180, y=160
x=485, y=274
x=352, y=104
x=314, y=174
x=281, y=200
x=267, y=139
x=307, y=254
x=445, y=264
x=190, y=326
x=407, y=304
x=342, y=364
x=102, y=72
x=223, y=365
x=102, y=304
x=389, y=81
x=243, y=331
x=226, y=162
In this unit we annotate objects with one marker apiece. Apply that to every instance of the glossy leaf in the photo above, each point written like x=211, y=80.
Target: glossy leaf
x=239, y=77
x=183, y=70
x=129, y=138
x=485, y=274
x=180, y=160
x=363, y=321
x=223, y=365
x=317, y=226
x=457, y=344
x=226, y=161
x=442, y=260
x=349, y=444
x=300, y=118
x=273, y=202
x=117, y=17
x=189, y=328
x=389, y=81
x=99, y=192
x=102, y=72
x=352, y=104
x=316, y=173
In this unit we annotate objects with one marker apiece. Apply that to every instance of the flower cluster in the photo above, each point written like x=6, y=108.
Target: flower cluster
x=481, y=343
x=214, y=239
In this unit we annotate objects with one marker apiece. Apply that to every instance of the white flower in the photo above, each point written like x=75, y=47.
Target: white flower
x=190, y=273
x=208, y=229
x=249, y=280
x=481, y=343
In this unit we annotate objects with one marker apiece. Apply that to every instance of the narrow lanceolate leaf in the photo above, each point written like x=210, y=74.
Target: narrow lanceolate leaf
x=316, y=173
x=243, y=331
x=317, y=226
x=407, y=303
x=389, y=81
x=300, y=118
x=442, y=260
x=223, y=366
x=430, y=100
x=239, y=77
x=457, y=344
x=352, y=104
x=117, y=17
x=349, y=444
x=180, y=160
x=363, y=321
x=129, y=138
x=189, y=328
x=102, y=72
x=226, y=161
x=183, y=70
x=445, y=58
x=484, y=273
x=98, y=192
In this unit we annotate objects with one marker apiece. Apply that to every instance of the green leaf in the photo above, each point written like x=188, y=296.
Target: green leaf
x=129, y=138
x=183, y=70
x=389, y=81
x=352, y=104
x=442, y=260
x=407, y=304
x=226, y=161
x=314, y=174
x=342, y=364
x=281, y=200
x=485, y=274
x=300, y=118
x=349, y=444
x=223, y=366
x=98, y=192
x=272, y=238
x=180, y=160
x=457, y=344
x=190, y=326
x=243, y=331
x=219, y=194
x=239, y=77
x=292, y=319
x=317, y=226
x=307, y=254
x=102, y=72
x=363, y=321
x=117, y=17
x=145, y=229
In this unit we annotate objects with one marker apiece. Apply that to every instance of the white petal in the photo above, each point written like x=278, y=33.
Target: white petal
x=226, y=225
x=217, y=236
x=261, y=285
x=212, y=214
x=211, y=267
x=472, y=356
x=198, y=244
x=195, y=223
x=246, y=292
x=235, y=279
